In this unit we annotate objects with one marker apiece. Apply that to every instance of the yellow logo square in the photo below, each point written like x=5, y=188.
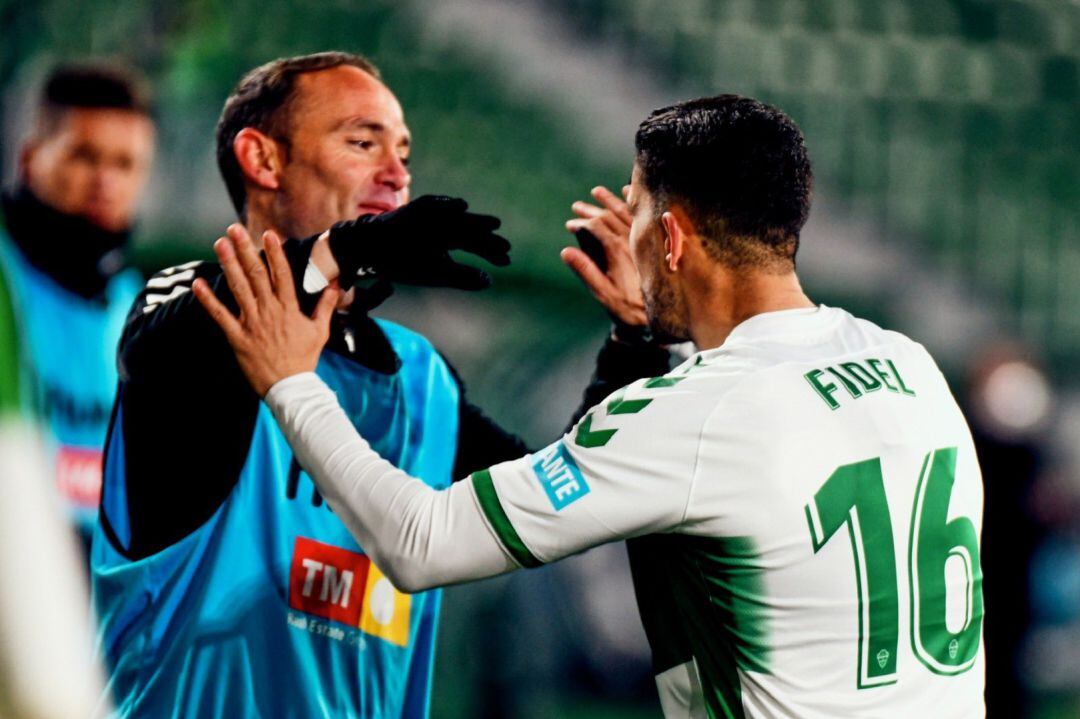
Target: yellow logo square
x=386, y=611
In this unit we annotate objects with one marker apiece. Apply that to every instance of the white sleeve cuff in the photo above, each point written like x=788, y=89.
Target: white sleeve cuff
x=314, y=280
x=292, y=388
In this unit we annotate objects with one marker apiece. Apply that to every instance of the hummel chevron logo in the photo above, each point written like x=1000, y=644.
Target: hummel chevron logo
x=618, y=405
x=663, y=382
x=585, y=437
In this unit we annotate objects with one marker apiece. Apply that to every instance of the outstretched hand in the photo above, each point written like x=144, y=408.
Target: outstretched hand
x=617, y=286
x=412, y=244
x=272, y=338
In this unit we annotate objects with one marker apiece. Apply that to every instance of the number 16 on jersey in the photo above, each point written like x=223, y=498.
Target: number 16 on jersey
x=946, y=641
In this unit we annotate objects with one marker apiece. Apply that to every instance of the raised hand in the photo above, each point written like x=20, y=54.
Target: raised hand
x=412, y=244
x=617, y=286
x=272, y=338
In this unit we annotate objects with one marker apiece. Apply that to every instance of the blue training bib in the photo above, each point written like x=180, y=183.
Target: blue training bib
x=271, y=608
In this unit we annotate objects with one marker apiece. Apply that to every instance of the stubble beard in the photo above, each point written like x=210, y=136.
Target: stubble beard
x=662, y=308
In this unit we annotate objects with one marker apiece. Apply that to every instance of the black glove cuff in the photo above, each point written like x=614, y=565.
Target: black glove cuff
x=634, y=335
x=350, y=249
x=620, y=363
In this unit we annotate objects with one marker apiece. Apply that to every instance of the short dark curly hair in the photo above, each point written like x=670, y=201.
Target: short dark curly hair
x=738, y=167
x=261, y=100
x=90, y=85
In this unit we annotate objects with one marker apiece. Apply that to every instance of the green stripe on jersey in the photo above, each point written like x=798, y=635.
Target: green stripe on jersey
x=712, y=605
x=496, y=516
x=10, y=365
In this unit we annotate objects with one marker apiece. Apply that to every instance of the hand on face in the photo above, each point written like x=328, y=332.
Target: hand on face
x=272, y=338
x=618, y=286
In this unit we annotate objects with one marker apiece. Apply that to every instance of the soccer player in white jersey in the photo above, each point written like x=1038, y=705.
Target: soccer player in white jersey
x=801, y=497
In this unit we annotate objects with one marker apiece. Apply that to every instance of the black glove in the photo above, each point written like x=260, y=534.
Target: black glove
x=411, y=245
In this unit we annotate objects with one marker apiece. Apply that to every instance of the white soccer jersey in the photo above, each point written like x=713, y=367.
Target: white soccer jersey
x=805, y=506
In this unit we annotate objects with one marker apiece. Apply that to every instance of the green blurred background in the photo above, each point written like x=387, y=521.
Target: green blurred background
x=946, y=141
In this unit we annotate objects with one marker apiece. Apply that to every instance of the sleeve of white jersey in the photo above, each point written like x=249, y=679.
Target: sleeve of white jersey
x=625, y=470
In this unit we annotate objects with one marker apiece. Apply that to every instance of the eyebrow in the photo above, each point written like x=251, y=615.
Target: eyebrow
x=359, y=123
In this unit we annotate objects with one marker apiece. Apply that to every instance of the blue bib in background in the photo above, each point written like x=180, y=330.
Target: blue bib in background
x=69, y=354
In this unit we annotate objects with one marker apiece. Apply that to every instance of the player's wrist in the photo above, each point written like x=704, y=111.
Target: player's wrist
x=285, y=386
x=322, y=257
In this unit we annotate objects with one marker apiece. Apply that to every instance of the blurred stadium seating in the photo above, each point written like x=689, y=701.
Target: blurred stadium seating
x=950, y=124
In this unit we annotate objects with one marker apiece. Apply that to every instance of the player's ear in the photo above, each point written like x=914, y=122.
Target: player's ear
x=676, y=230
x=259, y=157
x=26, y=159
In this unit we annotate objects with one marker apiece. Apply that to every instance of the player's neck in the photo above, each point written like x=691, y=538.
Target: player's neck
x=734, y=298
x=256, y=225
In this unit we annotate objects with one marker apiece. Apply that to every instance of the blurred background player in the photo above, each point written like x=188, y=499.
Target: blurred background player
x=64, y=234
x=45, y=635
x=213, y=542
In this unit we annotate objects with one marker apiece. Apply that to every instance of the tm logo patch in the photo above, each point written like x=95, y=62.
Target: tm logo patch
x=560, y=476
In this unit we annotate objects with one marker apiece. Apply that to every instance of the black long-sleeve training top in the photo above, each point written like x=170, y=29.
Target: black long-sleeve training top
x=189, y=413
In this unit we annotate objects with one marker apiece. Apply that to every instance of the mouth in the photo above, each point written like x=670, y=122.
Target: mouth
x=376, y=207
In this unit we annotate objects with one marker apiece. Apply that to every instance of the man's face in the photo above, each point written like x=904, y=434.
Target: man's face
x=347, y=155
x=93, y=165
x=663, y=304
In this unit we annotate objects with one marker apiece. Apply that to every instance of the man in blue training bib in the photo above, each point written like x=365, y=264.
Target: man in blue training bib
x=64, y=233
x=225, y=586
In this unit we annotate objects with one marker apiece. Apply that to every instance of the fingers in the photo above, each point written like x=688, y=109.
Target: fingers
x=235, y=277
x=463, y=277
x=597, y=282
x=217, y=311
x=481, y=223
x=493, y=248
x=585, y=210
x=476, y=234
x=612, y=202
x=591, y=212
x=258, y=276
x=613, y=242
x=280, y=272
x=324, y=310
x=439, y=203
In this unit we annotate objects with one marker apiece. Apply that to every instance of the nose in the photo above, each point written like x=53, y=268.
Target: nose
x=106, y=180
x=394, y=174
